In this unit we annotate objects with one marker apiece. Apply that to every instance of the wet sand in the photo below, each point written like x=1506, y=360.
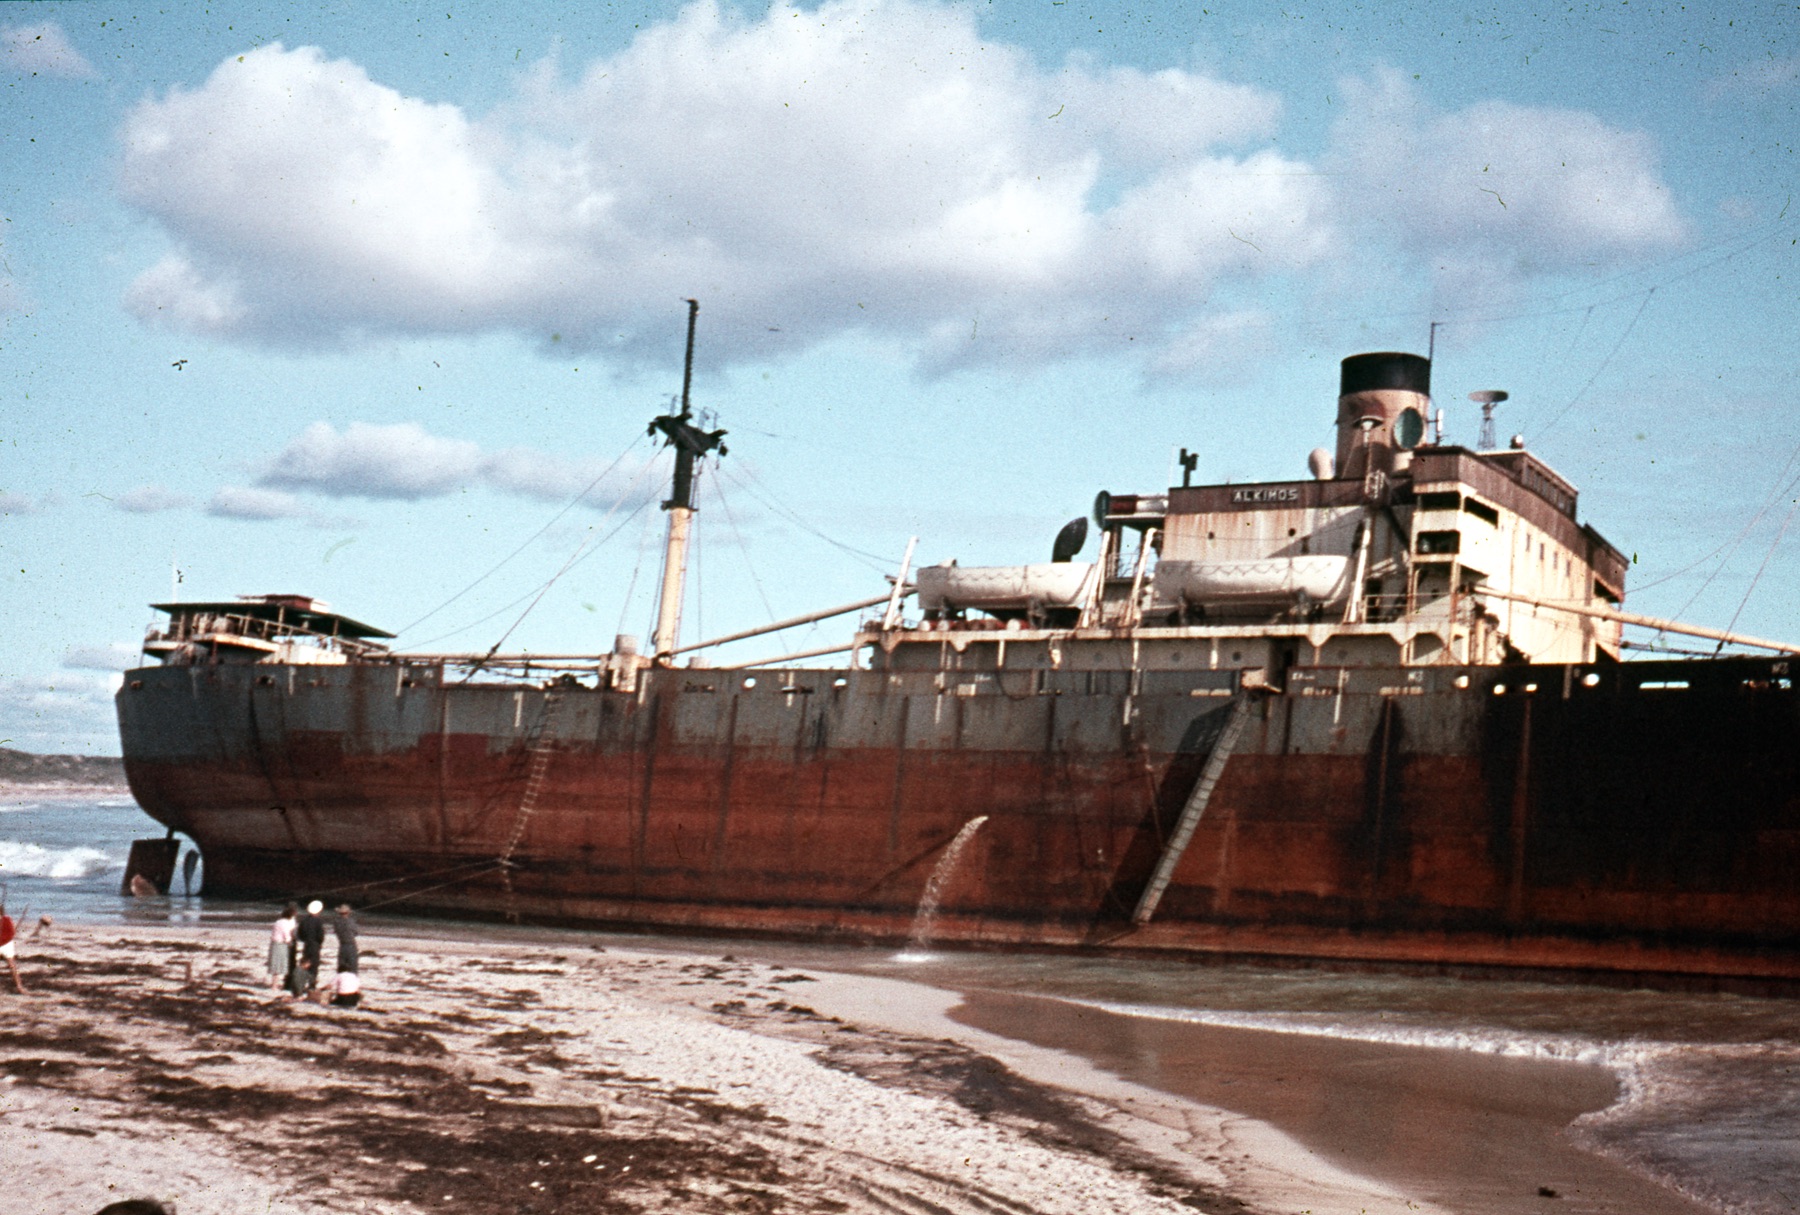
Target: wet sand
x=1469, y=1133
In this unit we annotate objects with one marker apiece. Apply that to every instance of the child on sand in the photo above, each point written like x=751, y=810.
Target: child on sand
x=344, y=991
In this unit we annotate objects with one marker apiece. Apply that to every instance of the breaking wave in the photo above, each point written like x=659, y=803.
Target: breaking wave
x=34, y=860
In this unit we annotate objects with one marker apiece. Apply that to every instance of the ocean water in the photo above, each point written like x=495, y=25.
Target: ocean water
x=1709, y=1084
x=63, y=853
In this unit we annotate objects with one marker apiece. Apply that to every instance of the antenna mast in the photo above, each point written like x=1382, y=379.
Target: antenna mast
x=689, y=442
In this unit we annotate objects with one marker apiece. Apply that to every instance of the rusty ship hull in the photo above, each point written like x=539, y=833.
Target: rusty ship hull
x=1634, y=818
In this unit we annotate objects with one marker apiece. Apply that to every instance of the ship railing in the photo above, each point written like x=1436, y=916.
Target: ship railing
x=517, y=668
x=199, y=626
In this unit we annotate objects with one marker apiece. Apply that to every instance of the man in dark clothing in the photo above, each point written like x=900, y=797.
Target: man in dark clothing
x=309, y=935
x=345, y=928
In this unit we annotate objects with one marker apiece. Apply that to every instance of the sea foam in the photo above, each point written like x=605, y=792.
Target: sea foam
x=35, y=860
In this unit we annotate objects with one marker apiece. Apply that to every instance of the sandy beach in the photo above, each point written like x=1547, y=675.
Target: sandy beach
x=511, y=1078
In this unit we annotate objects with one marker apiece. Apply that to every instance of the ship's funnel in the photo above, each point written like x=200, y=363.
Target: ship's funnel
x=1382, y=403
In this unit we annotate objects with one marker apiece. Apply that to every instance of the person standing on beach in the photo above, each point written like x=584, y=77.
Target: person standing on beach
x=309, y=932
x=8, y=932
x=281, y=947
x=345, y=928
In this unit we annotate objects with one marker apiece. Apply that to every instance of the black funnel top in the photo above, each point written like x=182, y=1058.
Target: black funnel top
x=1371, y=372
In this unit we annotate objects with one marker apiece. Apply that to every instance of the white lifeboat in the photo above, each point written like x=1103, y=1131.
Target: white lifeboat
x=1266, y=582
x=1003, y=588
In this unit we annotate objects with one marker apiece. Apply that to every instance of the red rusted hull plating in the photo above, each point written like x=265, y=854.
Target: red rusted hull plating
x=1617, y=828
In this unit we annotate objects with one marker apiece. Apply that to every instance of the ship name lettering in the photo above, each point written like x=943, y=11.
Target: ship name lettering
x=1282, y=493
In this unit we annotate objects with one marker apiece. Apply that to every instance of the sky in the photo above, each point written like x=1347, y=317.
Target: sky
x=374, y=302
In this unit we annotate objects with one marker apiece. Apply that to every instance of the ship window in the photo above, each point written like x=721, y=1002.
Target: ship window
x=1481, y=510
x=1440, y=542
x=1441, y=501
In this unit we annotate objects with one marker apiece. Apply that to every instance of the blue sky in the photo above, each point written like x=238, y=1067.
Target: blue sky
x=357, y=300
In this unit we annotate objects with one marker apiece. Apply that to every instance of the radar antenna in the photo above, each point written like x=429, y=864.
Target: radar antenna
x=1489, y=399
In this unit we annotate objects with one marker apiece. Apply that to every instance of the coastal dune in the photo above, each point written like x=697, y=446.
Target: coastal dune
x=534, y=1078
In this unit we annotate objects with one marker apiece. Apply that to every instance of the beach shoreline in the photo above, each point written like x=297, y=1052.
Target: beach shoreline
x=524, y=1077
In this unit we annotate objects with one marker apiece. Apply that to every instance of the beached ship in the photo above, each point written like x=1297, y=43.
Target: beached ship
x=1377, y=714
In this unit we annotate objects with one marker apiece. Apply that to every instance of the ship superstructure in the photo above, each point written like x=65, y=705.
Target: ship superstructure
x=1395, y=552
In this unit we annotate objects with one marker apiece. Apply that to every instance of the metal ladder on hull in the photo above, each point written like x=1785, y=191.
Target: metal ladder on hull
x=1193, y=811
x=536, y=769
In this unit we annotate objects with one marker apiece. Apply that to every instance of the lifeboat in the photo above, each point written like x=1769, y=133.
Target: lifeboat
x=1004, y=589
x=1272, y=582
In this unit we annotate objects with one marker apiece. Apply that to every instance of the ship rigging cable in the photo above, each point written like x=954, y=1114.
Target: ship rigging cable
x=495, y=568
x=585, y=549
x=1751, y=589
x=1731, y=546
x=882, y=564
x=1604, y=364
x=637, y=567
x=738, y=534
x=589, y=545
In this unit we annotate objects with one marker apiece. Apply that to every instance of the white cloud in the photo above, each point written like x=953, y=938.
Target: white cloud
x=68, y=713
x=1227, y=341
x=405, y=461
x=860, y=166
x=536, y=474
x=877, y=167
x=113, y=656
x=41, y=50
x=1759, y=80
x=239, y=502
x=151, y=499
x=1496, y=191
x=368, y=461
x=174, y=292
x=18, y=504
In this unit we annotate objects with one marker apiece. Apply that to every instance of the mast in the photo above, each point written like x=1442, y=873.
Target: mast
x=689, y=442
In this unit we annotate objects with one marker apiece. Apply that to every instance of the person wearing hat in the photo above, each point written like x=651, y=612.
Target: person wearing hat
x=345, y=928
x=309, y=935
